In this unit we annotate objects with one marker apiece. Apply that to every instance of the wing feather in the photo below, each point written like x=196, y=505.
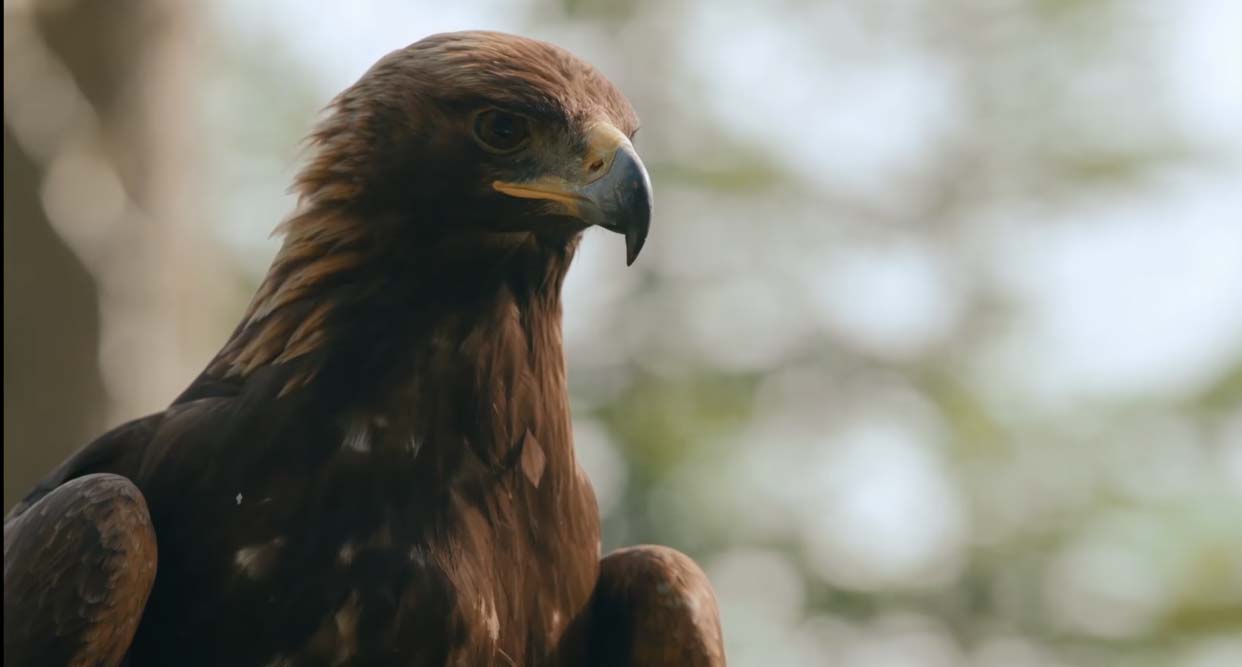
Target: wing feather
x=79, y=564
x=654, y=607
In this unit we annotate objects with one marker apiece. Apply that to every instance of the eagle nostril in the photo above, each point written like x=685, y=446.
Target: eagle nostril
x=596, y=165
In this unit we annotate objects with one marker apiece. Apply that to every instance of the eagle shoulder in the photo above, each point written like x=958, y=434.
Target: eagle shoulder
x=79, y=565
x=654, y=606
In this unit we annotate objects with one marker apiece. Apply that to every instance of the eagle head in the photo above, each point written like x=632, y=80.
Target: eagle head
x=482, y=137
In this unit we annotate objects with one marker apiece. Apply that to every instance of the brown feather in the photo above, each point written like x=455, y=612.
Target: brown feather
x=654, y=607
x=82, y=559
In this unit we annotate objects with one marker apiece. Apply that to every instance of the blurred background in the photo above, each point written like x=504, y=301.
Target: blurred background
x=934, y=356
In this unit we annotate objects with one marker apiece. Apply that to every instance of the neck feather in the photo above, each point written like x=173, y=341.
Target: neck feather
x=485, y=305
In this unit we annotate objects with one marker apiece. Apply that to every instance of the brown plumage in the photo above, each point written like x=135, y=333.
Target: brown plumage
x=378, y=468
x=82, y=567
x=654, y=606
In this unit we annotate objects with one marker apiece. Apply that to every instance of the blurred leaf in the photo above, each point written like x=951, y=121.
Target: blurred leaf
x=1226, y=393
x=728, y=176
x=661, y=421
x=605, y=10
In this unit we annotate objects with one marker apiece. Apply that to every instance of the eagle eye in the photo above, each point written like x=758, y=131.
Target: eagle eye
x=501, y=132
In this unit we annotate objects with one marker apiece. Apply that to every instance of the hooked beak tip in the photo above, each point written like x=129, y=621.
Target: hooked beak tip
x=634, y=240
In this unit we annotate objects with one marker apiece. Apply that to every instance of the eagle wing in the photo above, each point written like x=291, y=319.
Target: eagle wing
x=654, y=607
x=79, y=563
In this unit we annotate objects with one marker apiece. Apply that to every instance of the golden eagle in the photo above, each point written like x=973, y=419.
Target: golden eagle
x=378, y=468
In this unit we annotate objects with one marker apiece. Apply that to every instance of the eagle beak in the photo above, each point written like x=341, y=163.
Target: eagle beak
x=615, y=192
x=623, y=199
